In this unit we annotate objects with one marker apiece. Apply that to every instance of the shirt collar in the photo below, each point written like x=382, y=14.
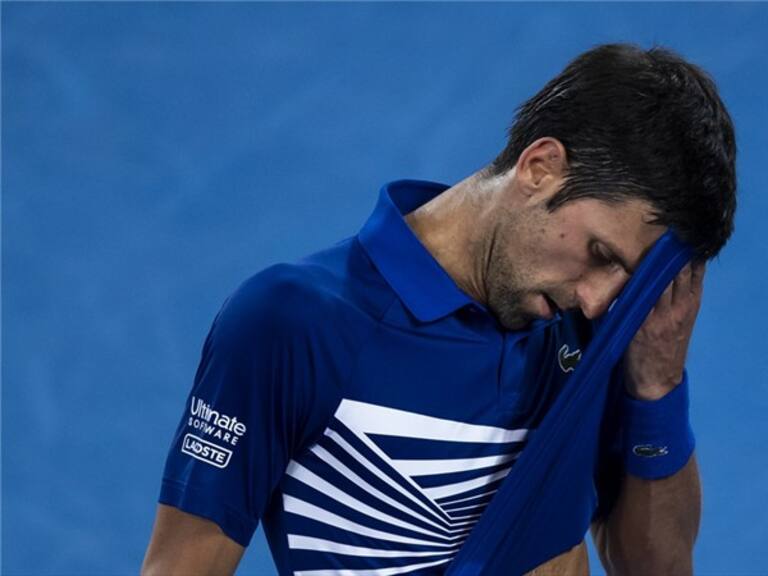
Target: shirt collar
x=408, y=267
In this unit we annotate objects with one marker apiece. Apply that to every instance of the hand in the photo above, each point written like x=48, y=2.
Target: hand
x=654, y=361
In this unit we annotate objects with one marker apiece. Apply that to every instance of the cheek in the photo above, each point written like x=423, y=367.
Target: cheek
x=559, y=264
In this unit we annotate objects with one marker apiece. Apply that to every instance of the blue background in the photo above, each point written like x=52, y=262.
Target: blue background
x=155, y=155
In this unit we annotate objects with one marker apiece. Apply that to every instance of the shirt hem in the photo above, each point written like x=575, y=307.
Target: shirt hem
x=198, y=501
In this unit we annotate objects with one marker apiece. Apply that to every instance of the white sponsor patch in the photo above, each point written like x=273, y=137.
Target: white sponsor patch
x=206, y=451
x=204, y=419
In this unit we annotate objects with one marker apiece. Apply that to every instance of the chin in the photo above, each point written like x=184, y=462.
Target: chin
x=511, y=317
x=516, y=323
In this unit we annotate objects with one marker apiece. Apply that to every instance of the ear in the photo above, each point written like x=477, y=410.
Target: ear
x=541, y=168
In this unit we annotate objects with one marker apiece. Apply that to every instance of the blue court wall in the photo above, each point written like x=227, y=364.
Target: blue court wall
x=156, y=154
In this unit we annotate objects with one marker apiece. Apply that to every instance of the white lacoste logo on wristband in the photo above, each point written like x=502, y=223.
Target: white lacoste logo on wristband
x=206, y=451
x=568, y=360
x=649, y=451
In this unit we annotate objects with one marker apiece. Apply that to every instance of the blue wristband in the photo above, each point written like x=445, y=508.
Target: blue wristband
x=658, y=439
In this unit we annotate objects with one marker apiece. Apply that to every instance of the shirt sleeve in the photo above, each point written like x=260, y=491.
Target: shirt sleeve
x=245, y=414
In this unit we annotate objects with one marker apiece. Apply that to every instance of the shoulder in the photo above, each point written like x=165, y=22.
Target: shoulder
x=280, y=288
x=337, y=284
x=279, y=300
x=320, y=307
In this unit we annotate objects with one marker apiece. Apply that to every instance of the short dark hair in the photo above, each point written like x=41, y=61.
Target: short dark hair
x=638, y=124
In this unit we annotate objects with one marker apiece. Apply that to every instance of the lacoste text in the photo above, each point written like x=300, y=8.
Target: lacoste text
x=205, y=451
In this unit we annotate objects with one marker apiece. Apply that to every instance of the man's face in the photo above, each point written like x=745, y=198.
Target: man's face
x=579, y=256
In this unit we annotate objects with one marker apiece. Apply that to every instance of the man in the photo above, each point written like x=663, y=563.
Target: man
x=367, y=401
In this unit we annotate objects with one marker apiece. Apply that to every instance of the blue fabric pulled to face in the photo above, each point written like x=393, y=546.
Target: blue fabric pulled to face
x=545, y=505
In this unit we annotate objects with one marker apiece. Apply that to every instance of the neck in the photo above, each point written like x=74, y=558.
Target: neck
x=457, y=228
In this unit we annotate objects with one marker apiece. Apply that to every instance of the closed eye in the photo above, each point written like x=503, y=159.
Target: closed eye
x=603, y=257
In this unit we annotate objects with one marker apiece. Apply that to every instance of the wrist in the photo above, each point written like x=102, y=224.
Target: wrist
x=657, y=436
x=651, y=392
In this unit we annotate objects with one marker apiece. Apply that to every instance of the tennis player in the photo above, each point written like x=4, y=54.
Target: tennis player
x=365, y=402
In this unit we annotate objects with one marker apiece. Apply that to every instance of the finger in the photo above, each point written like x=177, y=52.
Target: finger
x=697, y=275
x=665, y=300
x=682, y=284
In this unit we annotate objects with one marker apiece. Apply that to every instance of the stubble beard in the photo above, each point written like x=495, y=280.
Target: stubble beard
x=510, y=274
x=505, y=298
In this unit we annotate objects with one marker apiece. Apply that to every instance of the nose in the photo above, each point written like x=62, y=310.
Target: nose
x=596, y=292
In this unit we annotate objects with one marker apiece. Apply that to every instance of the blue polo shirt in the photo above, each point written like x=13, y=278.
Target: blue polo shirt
x=361, y=405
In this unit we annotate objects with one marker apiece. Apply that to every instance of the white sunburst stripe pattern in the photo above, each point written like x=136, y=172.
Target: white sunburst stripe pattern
x=357, y=507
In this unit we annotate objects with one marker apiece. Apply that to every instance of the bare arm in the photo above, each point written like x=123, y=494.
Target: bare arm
x=187, y=545
x=653, y=526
